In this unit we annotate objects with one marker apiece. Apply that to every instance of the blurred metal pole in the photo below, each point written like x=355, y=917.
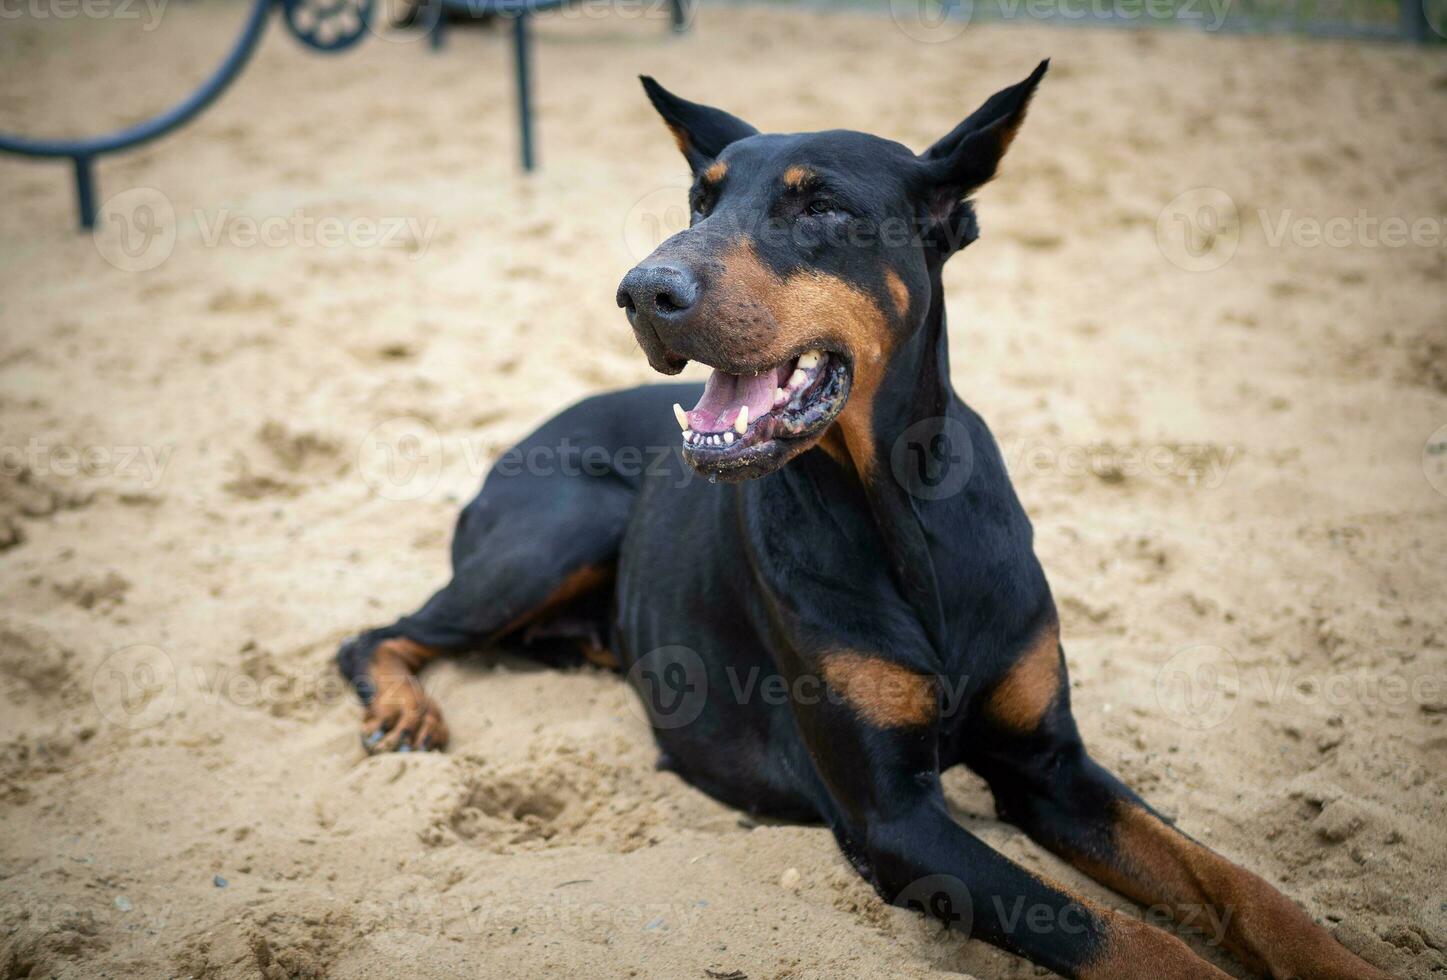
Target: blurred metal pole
x=521, y=44
x=1415, y=25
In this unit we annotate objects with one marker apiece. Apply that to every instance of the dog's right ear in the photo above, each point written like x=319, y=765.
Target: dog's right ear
x=701, y=132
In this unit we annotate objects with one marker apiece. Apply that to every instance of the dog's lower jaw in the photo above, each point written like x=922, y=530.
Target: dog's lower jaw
x=780, y=435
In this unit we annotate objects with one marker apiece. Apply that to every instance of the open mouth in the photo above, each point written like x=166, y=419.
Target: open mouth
x=748, y=424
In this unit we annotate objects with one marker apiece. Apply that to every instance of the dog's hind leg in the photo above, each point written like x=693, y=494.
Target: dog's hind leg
x=527, y=545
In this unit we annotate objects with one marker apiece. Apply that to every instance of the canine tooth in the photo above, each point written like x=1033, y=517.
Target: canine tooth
x=681, y=415
x=742, y=422
x=809, y=360
x=728, y=438
x=780, y=396
x=687, y=434
x=797, y=378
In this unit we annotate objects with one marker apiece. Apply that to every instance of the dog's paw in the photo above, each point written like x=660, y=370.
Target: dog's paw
x=402, y=717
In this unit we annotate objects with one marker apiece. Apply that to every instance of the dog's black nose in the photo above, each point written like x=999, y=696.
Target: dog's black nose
x=659, y=292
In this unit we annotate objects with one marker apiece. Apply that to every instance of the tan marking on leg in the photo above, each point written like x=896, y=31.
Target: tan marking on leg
x=1136, y=951
x=1031, y=686
x=1157, y=864
x=898, y=292
x=715, y=172
x=600, y=656
x=885, y=694
x=575, y=584
x=399, y=653
x=798, y=177
x=399, y=704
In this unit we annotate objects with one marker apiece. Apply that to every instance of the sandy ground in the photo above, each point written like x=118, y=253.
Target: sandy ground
x=1232, y=468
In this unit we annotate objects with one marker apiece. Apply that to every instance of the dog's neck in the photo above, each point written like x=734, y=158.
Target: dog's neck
x=906, y=411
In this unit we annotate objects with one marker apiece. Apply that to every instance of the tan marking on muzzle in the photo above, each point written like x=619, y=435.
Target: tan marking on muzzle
x=1031, y=686
x=812, y=307
x=885, y=694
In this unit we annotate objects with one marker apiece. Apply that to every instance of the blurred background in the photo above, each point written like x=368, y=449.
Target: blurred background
x=240, y=410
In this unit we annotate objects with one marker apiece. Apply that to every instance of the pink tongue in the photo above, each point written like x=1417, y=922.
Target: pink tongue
x=725, y=394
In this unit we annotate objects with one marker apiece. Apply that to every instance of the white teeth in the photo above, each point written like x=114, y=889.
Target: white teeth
x=687, y=435
x=780, y=396
x=681, y=415
x=728, y=438
x=797, y=379
x=809, y=360
x=742, y=422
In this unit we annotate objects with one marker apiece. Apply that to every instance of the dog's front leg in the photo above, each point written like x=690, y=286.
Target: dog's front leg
x=871, y=738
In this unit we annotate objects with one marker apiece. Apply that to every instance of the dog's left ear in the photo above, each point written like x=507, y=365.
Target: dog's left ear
x=701, y=132
x=968, y=157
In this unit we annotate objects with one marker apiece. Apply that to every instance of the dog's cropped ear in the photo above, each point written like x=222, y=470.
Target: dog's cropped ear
x=968, y=157
x=700, y=131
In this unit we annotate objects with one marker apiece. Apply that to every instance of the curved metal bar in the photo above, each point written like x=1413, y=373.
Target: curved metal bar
x=83, y=152
x=166, y=121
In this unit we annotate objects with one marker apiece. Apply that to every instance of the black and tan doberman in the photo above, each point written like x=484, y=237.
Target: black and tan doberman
x=824, y=588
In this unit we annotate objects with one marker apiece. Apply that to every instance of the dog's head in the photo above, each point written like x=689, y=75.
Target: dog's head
x=806, y=262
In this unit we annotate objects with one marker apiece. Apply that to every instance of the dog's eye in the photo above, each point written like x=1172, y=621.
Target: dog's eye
x=819, y=207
